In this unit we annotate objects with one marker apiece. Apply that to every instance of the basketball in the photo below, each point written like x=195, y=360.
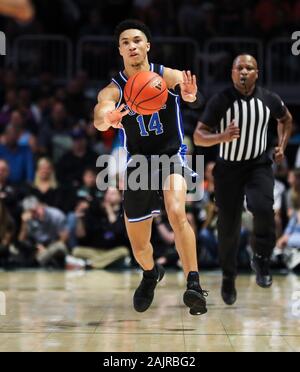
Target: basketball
x=145, y=92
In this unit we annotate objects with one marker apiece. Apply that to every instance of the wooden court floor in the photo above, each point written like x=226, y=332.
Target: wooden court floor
x=92, y=311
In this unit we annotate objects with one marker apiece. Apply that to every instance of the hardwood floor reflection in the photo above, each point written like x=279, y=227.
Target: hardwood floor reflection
x=92, y=311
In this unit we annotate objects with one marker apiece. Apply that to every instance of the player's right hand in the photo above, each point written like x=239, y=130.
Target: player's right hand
x=231, y=133
x=114, y=118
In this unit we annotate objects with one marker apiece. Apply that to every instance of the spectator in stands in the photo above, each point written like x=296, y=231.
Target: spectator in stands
x=5, y=188
x=41, y=109
x=296, y=140
x=10, y=104
x=54, y=138
x=85, y=196
x=281, y=171
x=89, y=190
x=279, y=206
x=289, y=242
x=293, y=195
x=19, y=158
x=75, y=100
x=25, y=130
x=7, y=228
x=26, y=108
x=95, y=140
x=71, y=166
x=45, y=187
x=101, y=232
x=44, y=231
x=9, y=194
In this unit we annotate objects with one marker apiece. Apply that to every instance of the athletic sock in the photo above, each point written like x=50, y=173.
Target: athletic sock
x=151, y=274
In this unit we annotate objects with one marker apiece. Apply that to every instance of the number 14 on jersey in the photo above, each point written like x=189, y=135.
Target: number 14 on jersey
x=155, y=125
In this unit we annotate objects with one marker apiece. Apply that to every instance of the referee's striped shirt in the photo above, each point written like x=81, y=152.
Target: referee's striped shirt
x=251, y=114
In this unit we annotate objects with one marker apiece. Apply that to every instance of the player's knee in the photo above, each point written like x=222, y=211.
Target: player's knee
x=177, y=216
x=140, y=246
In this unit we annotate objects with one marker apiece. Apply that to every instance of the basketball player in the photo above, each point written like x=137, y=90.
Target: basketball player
x=20, y=10
x=163, y=136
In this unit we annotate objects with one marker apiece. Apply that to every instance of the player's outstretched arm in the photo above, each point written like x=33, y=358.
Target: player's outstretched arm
x=185, y=84
x=105, y=113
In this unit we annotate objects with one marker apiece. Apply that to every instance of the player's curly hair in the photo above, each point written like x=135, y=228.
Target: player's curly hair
x=131, y=24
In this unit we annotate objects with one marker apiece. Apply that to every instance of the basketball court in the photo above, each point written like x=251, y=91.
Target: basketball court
x=92, y=311
x=57, y=57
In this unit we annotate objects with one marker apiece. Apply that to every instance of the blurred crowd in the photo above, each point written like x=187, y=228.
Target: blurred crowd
x=199, y=19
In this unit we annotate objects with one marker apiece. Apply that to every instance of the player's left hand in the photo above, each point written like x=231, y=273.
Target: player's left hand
x=188, y=87
x=278, y=154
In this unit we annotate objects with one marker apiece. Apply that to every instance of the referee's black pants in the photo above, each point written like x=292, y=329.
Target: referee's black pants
x=233, y=181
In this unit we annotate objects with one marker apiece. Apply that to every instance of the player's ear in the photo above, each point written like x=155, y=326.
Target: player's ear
x=148, y=47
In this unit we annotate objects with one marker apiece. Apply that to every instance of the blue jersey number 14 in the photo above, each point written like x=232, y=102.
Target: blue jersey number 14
x=154, y=125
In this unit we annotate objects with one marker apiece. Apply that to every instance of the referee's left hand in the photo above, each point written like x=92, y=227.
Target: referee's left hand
x=278, y=154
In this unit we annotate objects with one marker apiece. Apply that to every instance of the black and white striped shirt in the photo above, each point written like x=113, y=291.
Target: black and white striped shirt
x=251, y=114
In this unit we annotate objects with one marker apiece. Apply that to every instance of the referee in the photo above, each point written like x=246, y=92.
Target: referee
x=237, y=119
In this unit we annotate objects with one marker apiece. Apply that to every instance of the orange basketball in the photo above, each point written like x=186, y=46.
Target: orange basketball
x=145, y=92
